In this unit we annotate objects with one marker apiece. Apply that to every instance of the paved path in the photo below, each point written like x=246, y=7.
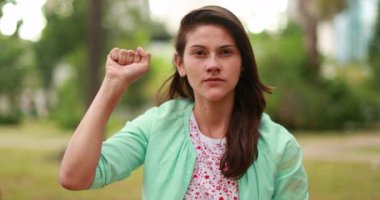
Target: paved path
x=352, y=147
x=32, y=142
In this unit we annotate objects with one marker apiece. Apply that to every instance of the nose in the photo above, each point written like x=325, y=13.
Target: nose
x=212, y=64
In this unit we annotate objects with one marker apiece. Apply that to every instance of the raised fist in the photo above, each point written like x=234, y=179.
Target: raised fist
x=127, y=66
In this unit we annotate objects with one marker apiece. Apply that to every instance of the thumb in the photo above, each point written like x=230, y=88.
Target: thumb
x=145, y=56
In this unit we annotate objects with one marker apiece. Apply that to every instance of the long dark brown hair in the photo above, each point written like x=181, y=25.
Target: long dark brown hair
x=249, y=103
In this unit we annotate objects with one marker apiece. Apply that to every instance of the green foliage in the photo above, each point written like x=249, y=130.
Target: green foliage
x=70, y=107
x=281, y=58
x=371, y=91
x=12, y=64
x=143, y=91
x=328, y=9
x=300, y=103
x=61, y=36
x=130, y=28
x=125, y=25
x=64, y=41
x=161, y=68
x=69, y=111
x=374, y=52
x=137, y=95
x=341, y=108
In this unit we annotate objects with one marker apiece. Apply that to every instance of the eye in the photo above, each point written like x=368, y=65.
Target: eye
x=225, y=52
x=199, y=53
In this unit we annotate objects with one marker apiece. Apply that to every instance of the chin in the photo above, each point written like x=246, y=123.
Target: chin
x=215, y=97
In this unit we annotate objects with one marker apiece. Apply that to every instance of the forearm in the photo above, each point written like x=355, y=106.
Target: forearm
x=78, y=167
x=83, y=151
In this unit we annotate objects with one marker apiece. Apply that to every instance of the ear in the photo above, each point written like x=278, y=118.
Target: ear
x=179, y=65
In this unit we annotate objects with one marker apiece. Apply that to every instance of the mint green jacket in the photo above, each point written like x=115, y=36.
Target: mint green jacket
x=160, y=140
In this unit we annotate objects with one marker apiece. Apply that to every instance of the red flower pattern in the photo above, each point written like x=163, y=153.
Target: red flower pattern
x=208, y=182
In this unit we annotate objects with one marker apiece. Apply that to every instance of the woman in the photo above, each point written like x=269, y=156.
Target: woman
x=208, y=138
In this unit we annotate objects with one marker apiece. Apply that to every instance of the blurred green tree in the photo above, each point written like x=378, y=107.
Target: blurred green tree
x=10, y=79
x=94, y=47
x=11, y=74
x=12, y=66
x=64, y=32
x=295, y=103
x=312, y=12
x=63, y=36
x=18, y=76
x=80, y=34
x=374, y=52
x=374, y=61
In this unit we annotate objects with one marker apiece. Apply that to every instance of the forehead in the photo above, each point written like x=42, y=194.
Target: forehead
x=209, y=34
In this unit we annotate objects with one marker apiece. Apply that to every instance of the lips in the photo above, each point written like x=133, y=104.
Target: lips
x=213, y=79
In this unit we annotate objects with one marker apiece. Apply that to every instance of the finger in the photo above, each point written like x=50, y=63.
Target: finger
x=137, y=58
x=123, y=55
x=114, y=54
x=130, y=57
x=144, y=56
x=140, y=51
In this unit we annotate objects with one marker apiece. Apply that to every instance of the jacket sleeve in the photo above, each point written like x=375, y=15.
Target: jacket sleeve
x=124, y=151
x=291, y=179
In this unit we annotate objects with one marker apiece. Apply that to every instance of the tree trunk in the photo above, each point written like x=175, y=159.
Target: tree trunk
x=308, y=11
x=94, y=49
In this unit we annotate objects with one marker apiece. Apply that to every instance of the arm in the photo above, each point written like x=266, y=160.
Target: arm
x=291, y=179
x=82, y=154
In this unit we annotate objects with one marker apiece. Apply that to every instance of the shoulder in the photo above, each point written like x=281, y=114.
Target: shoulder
x=279, y=165
x=275, y=139
x=170, y=109
x=274, y=132
x=174, y=107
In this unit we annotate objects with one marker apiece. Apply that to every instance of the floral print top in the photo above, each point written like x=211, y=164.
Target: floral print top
x=208, y=182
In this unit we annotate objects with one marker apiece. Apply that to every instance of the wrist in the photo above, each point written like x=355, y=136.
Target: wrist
x=115, y=84
x=112, y=89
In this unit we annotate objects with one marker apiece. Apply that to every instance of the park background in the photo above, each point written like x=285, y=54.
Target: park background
x=322, y=57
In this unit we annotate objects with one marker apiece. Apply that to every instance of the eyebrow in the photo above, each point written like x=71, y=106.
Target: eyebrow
x=221, y=47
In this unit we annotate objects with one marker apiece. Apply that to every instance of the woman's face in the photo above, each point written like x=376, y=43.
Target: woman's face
x=211, y=62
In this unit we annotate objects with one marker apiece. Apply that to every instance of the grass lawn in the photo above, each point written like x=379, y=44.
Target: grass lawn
x=33, y=175
x=29, y=163
x=342, y=180
x=30, y=157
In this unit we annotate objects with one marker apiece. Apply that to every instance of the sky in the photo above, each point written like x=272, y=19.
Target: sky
x=257, y=15
x=28, y=10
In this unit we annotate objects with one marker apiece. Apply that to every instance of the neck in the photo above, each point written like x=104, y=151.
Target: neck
x=213, y=118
